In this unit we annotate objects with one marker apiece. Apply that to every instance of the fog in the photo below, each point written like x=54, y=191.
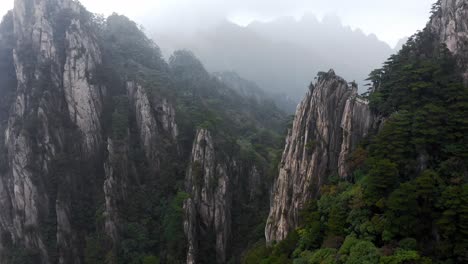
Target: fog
x=279, y=44
x=390, y=20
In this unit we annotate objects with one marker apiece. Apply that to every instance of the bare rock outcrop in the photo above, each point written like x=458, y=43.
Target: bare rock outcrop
x=54, y=63
x=450, y=24
x=155, y=119
x=329, y=123
x=332, y=120
x=356, y=123
x=84, y=99
x=208, y=208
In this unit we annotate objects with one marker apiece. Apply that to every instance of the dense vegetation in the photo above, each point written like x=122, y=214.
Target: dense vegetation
x=407, y=201
x=243, y=129
x=150, y=214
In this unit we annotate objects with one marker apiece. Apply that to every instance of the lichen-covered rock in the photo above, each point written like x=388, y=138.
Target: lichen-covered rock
x=329, y=123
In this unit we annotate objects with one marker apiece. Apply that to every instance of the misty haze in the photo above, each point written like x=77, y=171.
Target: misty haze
x=233, y=132
x=280, y=45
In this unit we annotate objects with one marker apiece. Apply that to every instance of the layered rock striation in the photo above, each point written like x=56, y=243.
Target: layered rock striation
x=332, y=120
x=209, y=206
x=329, y=124
x=55, y=111
x=221, y=188
x=58, y=156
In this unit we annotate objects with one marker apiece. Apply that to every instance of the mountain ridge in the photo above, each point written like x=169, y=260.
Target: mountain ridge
x=299, y=52
x=98, y=133
x=353, y=178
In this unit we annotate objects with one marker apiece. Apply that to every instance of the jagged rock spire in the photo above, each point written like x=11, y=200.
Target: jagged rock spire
x=329, y=124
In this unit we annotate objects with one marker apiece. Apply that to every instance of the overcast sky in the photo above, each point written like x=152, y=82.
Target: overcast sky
x=390, y=20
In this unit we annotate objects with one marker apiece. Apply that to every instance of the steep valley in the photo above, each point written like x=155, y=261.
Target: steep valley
x=110, y=154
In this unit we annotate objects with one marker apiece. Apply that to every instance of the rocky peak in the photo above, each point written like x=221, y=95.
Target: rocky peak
x=75, y=146
x=51, y=34
x=329, y=123
x=332, y=120
x=55, y=111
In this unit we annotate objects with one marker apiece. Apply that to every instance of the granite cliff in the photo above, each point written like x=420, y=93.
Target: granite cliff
x=101, y=139
x=332, y=120
x=329, y=124
x=58, y=157
x=450, y=25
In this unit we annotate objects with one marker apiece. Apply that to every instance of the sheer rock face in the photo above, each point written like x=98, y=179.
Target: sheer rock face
x=329, y=124
x=155, y=118
x=208, y=208
x=356, y=123
x=116, y=172
x=155, y=121
x=146, y=122
x=55, y=155
x=83, y=99
x=166, y=116
x=217, y=186
x=53, y=68
x=450, y=24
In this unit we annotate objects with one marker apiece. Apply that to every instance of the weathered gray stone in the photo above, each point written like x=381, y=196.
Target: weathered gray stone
x=47, y=89
x=84, y=100
x=146, y=122
x=208, y=210
x=329, y=124
x=451, y=26
x=356, y=123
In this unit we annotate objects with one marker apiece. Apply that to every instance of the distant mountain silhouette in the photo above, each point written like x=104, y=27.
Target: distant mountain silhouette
x=283, y=55
x=400, y=44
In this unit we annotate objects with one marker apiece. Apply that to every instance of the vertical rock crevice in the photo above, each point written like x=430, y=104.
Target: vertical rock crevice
x=329, y=124
x=51, y=99
x=321, y=140
x=208, y=208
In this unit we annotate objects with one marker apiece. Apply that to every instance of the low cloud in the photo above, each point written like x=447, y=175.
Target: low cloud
x=390, y=20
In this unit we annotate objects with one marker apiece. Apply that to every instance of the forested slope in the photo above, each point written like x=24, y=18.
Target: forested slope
x=405, y=200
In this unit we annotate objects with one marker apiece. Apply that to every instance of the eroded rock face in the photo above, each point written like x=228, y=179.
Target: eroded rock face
x=450, y=23
x=208, y=208
x=166, y=116
x=116, y=172
x=223, y=190
x=83, y=98
x=53, y=156
x=329, y=124
x=155, y=118
x=146, y=122
x=53, y=69
x=356, y=123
